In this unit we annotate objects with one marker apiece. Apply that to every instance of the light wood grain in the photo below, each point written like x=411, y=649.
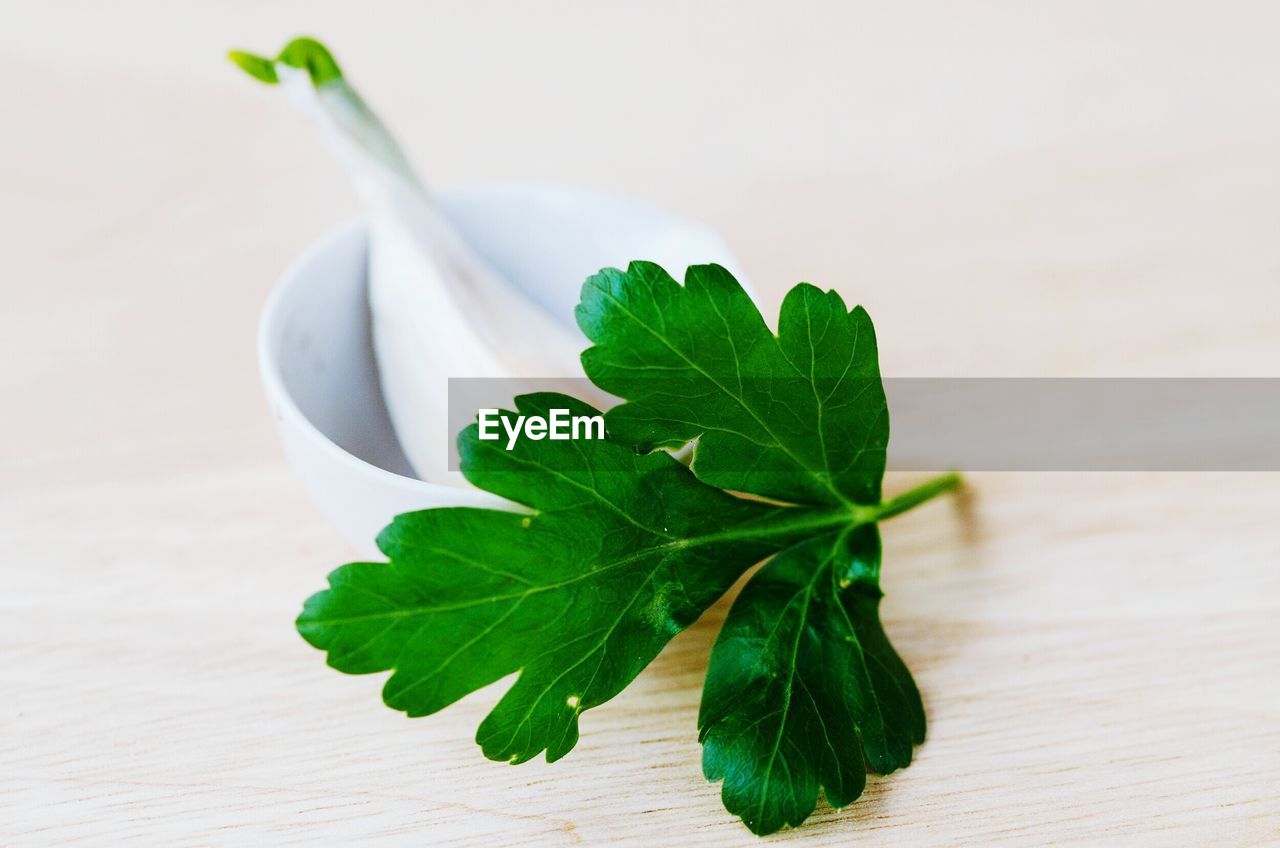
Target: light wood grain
x=1051, y=188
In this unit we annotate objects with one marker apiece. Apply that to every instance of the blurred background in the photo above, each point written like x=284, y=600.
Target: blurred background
x=1011, y=189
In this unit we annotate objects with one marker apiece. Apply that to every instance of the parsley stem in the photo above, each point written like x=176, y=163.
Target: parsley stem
x=914, y=497
x=802, y=521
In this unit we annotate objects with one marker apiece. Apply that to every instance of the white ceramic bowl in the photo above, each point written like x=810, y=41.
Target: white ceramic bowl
x=316, y=356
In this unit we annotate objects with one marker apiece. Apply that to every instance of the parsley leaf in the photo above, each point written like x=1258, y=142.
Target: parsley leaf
x=799, y=417
x=802, y=681
x=621, y=547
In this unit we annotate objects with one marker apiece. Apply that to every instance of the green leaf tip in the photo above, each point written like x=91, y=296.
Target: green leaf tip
x=258, y=67
x=306, y=54
x=312, y=57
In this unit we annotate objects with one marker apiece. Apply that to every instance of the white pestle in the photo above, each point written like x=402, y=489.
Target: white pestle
x=438, y=310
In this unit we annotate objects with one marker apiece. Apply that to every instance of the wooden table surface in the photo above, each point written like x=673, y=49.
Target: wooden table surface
x=1011, y=189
